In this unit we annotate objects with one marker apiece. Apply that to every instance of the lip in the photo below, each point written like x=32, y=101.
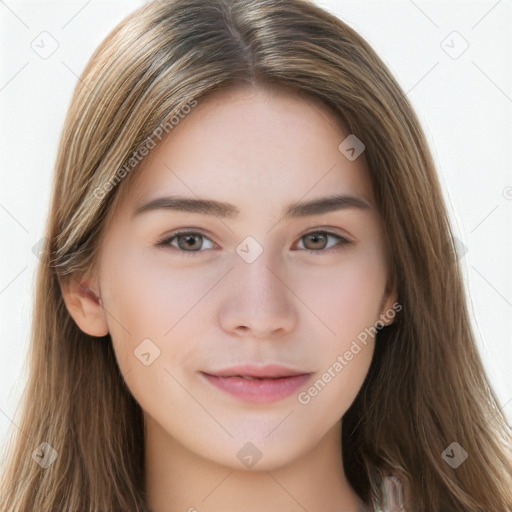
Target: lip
x=266, y=384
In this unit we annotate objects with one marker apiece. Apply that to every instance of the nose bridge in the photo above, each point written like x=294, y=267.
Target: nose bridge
x=258, y=299
x=256, y=270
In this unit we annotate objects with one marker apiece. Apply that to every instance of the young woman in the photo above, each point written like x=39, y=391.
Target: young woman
x=250, y=297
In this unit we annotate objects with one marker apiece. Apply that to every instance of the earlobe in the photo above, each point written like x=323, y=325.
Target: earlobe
x=84, y=305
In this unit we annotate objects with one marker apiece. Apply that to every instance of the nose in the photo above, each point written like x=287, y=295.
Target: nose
x=258, y=301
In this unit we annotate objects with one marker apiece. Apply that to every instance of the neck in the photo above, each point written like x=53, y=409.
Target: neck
x=178, y=479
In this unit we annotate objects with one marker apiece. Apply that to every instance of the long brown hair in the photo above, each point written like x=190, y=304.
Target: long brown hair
x=426, y=387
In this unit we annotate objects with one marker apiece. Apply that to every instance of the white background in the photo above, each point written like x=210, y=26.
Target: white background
x=463, y=103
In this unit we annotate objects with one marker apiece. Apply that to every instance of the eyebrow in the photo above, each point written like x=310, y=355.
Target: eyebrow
x=230, y=211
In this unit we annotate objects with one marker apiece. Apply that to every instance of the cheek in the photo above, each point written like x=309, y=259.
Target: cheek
x=150, y=297
x=147, y=298
x=335, y=388
x=344, y=360
x=152, y=301
x=344, y=297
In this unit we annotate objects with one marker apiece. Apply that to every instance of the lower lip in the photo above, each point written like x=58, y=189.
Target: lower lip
x=260, y=391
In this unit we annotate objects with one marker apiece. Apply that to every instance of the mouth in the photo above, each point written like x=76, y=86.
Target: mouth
x=261, y=385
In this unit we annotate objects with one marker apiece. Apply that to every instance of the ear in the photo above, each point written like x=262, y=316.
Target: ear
x=389, y=305
x=83, y=303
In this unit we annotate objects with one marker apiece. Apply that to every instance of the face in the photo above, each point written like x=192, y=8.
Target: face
x=193, y=297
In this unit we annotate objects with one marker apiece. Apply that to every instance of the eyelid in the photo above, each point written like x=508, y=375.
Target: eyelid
x=329, y=231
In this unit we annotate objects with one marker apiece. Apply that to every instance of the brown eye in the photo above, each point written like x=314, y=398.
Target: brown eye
x=317, y=241
x=188, y=243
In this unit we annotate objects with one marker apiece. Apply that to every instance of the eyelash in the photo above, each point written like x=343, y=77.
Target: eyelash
x=166, y=242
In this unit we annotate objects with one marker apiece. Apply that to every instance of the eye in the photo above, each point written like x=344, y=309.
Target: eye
x=319, y=238
x=189, y=242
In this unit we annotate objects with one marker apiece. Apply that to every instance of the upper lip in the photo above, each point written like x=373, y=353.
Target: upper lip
x=251, y=370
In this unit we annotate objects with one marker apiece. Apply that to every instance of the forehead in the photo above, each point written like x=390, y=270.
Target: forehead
x=245, y=142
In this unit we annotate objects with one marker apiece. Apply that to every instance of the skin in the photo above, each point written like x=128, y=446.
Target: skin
x=259, y=150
